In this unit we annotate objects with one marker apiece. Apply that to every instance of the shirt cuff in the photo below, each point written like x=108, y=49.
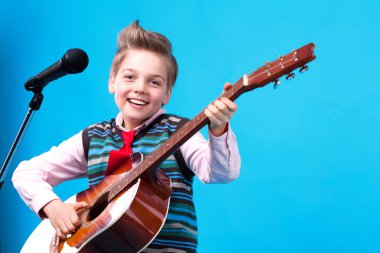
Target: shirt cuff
x=220, y=139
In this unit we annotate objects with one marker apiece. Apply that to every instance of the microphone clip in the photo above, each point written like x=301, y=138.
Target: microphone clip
x=36, y=101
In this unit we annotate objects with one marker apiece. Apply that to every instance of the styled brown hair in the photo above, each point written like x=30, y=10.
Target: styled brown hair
x=135, y=37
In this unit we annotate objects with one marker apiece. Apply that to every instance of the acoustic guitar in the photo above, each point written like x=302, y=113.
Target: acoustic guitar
x=126, y=211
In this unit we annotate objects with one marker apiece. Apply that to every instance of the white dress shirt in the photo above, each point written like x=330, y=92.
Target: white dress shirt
x=216, y=160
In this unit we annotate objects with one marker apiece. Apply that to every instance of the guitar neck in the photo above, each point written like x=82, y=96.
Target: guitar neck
x=268, y=73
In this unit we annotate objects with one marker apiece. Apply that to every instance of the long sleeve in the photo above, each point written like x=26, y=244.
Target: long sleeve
x=216, y=160
x=34, y=179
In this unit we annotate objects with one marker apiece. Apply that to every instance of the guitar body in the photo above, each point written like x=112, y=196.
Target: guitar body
x=127, y=223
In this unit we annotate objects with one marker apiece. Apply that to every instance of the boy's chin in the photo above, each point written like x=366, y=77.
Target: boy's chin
x=135, y=120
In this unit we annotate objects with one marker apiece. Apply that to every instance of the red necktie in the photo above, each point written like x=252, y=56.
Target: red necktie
x=118, y=156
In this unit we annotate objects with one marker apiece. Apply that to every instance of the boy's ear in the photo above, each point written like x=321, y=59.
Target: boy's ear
x=111, y=85
x=167, y=97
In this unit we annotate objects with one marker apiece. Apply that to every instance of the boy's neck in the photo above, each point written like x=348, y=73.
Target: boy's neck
x=121, y=124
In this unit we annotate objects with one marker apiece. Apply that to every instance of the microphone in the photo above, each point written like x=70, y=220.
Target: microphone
x=72, y=62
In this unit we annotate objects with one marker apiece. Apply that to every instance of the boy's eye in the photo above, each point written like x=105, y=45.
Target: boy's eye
x=155, y=83
x=128, y=77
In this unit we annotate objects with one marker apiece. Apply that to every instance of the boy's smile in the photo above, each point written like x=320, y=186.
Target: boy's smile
x=136, y=101
x=140, y=86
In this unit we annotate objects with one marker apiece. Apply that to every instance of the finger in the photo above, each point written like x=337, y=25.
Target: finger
x=66, y=224
x=64, y=228
x=217, y=116
x=80, y=205
x=214, y=122
x=223, y=108
x=231, y=105
x=209, y=114
x=58, y=226
x=227, y=108
x=61, y=235
x=227, y=86
x=73, y=222
x=80, y=208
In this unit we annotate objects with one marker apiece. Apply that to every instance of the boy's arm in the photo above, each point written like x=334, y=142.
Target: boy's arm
x=219, y=113
x=217, y=161
x=34, y=179
x=214, y=161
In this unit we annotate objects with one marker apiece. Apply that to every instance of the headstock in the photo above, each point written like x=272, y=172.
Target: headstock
x=284, y=65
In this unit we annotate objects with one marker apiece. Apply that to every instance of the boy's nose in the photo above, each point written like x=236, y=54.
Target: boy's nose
x=139, y=86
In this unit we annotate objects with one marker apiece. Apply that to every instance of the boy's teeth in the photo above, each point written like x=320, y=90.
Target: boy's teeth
x=138, y=102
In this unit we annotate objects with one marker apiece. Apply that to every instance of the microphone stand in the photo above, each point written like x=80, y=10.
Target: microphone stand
x=34, y=105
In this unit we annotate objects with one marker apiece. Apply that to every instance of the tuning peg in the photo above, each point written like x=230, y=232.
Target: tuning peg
x=291, y=75
x=304, y=69
x=276, y=83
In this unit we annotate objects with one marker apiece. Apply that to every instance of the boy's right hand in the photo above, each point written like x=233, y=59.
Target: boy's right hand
x=63, y=216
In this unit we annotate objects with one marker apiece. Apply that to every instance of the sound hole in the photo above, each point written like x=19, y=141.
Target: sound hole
x=98, y=207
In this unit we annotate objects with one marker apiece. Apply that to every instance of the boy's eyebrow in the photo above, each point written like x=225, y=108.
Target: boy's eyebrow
x=151, y=75
x=157, y=75
x=127, y=69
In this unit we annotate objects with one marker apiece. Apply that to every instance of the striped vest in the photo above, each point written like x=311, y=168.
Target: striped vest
x=179, y=233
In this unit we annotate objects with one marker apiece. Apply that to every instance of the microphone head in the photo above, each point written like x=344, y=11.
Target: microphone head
x=74, y=61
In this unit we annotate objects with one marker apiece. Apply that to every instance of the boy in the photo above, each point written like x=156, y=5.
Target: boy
x=142, y=76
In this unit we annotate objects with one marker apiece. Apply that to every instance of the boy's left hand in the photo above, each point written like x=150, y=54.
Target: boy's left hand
x=219, y=113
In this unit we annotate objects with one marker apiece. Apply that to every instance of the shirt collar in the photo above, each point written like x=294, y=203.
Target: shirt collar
x=119, y=121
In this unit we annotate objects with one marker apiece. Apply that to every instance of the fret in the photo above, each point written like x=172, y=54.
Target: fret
x=119, y=186
x=159, y=151
x=122, y=183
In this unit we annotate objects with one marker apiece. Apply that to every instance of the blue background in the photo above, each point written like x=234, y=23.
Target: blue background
x=310, y=150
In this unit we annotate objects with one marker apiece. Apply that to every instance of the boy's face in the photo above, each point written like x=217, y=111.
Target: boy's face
x=140, y=86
